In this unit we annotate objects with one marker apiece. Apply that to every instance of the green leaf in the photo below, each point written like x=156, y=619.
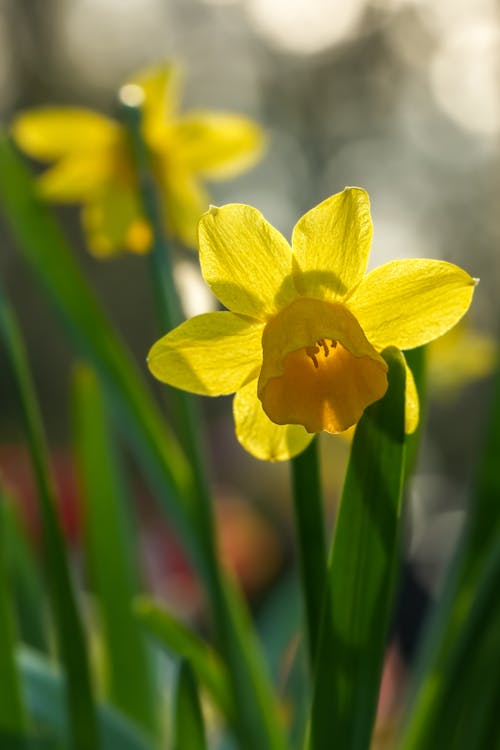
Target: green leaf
x=13, y=717
x=361, y=576
x=45, y=691
x=48, y=255
x=189, y=730
x=70, y=634
x=182, y=642
x=108, y=547
x=26, y=580
x=455, y=692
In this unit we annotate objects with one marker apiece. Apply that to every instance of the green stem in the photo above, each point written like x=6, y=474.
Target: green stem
x=168, y=307
x=311, y=538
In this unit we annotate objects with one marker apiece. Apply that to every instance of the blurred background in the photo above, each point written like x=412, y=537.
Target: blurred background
x=401, y=97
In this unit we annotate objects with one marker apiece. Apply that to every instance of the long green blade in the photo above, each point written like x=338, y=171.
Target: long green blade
x=46, y=251
x=13, y=717
x=108, y=547
x=451, y=698
x=28, y=586
x=189, y=730
x=182, y=642
x=70, y=634
x=361, y=576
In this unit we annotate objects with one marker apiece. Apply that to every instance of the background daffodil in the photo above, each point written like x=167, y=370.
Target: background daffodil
x=301, y=341
x=93, y=163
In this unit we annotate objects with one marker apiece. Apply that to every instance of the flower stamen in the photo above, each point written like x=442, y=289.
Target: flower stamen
x=312, y=351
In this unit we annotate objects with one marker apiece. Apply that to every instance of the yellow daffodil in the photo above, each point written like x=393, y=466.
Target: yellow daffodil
x=93, y=163
x=301, y=340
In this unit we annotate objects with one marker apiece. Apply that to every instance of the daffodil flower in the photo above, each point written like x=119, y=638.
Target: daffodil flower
x=301, y=340
x=93, y=162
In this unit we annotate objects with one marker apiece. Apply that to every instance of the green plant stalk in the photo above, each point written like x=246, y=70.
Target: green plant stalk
x=169, y=311
x=69, y=627
x=13, y=717
x=361, y=575
x=256, y=726
x=26, y=580
x=311, y=539
x=109, y=553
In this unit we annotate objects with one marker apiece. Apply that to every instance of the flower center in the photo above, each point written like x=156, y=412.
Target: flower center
x=320, y=344
x=318, y=369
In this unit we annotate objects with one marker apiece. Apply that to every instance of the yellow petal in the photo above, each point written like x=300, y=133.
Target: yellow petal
x=412, y=407
x=407, y=303
x=245, y=260
x=217, y=145
x=75, y=178
x=49, y=133
x=261, y=437
x=113, y=221
x=184, y=201
x=212, y=354
x=318, y=368
x=161, y=93
x=331, y=244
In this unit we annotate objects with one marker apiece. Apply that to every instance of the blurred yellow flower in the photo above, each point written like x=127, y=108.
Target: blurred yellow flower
x=301, y=340
x=459, y=358
x=93, y=163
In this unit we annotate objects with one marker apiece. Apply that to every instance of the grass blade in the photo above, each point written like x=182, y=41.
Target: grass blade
x=189, y=730
x=26, y=580
x=70, y=634
x=361, y=576
x=108, y=546
x=13, y=717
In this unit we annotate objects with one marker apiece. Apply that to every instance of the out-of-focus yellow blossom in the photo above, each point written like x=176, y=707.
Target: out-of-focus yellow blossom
x=93, y=162
x=301, y=341
x=459, y=358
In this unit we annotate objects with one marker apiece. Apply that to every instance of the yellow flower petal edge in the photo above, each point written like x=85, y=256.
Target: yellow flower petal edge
x=261, y=437
x=211, y=354
x=49, y=133
x=245, y=260
x=412, y=405
x=161, y=86
x=316, y=326
x=407, y=303
x=218, y=145
x=331, y=244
